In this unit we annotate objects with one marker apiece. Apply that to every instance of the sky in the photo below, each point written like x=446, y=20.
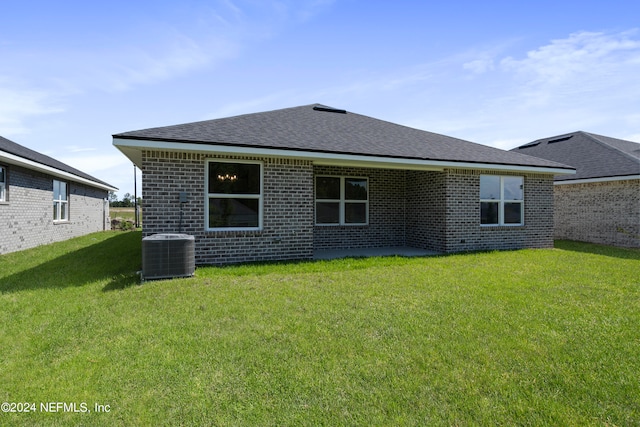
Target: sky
x=499, y=73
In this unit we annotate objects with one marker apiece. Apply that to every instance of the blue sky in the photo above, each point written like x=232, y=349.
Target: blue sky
x=500, y=73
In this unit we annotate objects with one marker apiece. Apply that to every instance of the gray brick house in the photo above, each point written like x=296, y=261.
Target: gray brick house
x=601, y=202
x=43, y=200
x=288, y=183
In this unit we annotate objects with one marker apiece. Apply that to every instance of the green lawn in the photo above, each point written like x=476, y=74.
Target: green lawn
x=531, y=337
x=124, y=213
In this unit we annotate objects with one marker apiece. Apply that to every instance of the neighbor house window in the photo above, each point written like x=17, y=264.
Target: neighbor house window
x=234, y=195
x=501, y=200
x=342, y=200
x=60, y=201
x=3, y=184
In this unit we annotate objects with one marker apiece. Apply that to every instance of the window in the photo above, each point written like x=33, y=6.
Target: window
x=501, y=200
x=234, y=195
x=3, y=184
x=342, y=200
x=60, y=201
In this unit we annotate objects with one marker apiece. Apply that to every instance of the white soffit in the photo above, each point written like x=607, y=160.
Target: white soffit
x=132, y=148
x=592, y=180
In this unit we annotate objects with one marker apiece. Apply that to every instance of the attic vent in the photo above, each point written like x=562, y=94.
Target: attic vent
x=532, y=144
x=329, y=110
x=564, y=138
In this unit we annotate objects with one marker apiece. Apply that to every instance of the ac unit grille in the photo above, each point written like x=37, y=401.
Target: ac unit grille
x=166, y=256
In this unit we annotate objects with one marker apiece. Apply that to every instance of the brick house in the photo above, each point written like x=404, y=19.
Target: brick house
x=601, y=202
x=286, y=184
x=43, y=200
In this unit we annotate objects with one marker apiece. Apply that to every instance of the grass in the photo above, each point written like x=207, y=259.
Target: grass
x=531, y=337
x=125, y=213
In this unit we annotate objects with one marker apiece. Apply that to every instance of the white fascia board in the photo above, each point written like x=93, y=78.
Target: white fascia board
x=320, y=158
x=592, y=180
x=30, y=164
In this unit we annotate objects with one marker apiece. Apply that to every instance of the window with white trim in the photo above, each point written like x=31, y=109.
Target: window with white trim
x=3, y=184
x=342, y=200
x=501, y=200
x=234, y=195
x=60, y=201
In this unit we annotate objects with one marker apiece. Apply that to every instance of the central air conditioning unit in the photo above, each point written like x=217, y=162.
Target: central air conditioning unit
x=165, y=256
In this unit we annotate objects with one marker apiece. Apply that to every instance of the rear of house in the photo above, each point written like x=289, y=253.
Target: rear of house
x=43, y=200
x=290, y=183
x=601, y=202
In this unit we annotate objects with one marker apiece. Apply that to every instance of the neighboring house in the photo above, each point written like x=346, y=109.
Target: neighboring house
x=601, y=202
x=283, y=184
x=43, y=200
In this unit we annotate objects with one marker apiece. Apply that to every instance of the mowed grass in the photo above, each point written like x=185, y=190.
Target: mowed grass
x=531, y=337
x=124, y=213
x=127, y=214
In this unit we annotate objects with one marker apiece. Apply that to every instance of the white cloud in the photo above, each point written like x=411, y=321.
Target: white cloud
x=587, y=81
x=479, y=66
x=582, y=55
x=140, y=66
x=125, y=67
x=308, y=9
x=18, y=104
x=251, y=105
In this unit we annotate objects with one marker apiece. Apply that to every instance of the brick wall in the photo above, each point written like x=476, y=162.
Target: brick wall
x=26, y=218
x=426, y=208
x=432, y=210
x=439, y=211
x=287, y=217
x=386, y=212
x=602, y=212
x=463, y=229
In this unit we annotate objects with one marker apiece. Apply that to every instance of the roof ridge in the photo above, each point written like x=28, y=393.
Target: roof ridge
x=596, y=138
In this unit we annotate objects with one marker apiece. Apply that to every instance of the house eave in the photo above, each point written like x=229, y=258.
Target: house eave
x=594, y=180
x=12, y=159
x=132, y=148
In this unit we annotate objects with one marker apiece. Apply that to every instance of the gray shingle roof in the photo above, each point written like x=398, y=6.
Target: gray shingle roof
x=18, y=150
x=317, y=128
x=594, y=156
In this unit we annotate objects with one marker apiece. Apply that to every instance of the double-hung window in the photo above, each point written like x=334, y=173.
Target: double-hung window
x=501, y=200
x=60, y=201
x=342, y=200
x=234, y=195
x=3, y=185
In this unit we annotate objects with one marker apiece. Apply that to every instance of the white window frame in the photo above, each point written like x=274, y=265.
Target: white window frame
x=259, y=197
x=3, y=184
x=341, y=202
x=59, y=202
x=501, y=202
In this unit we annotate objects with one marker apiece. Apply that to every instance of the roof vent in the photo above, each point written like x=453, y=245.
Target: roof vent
x=329, y=109
x=531, y=144
x=564, y=138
